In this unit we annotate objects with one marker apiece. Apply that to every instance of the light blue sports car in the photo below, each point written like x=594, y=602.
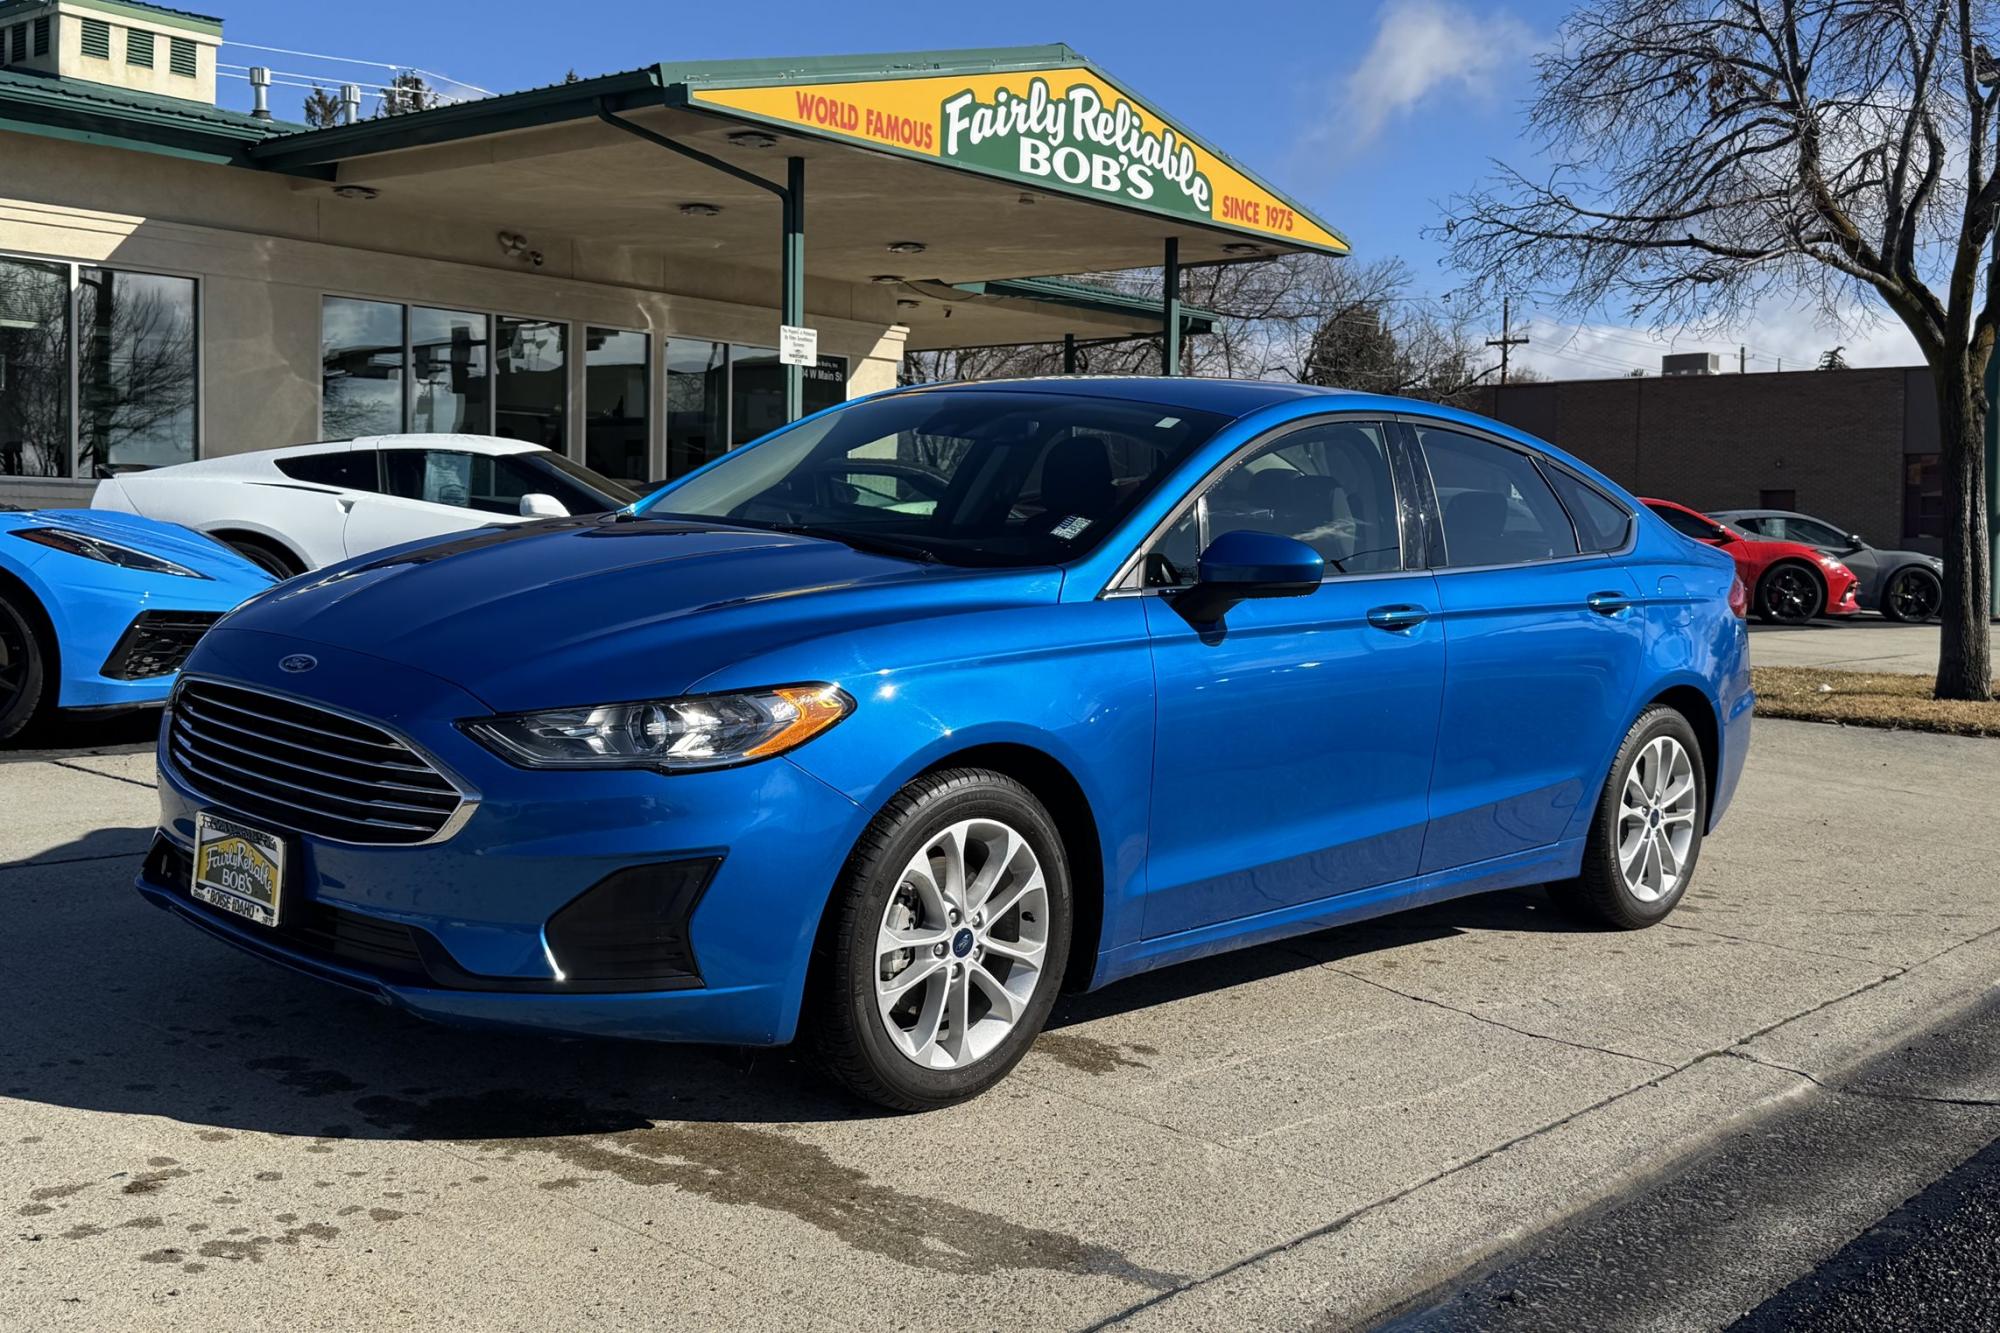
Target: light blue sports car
x=99, y=610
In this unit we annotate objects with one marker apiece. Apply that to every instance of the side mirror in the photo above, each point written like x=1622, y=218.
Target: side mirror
x=1724, y=537
x=1240, y=565
x=1854, y=541
x=537, y=505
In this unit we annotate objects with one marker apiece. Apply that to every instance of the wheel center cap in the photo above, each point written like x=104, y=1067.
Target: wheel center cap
x=1656, y=817
x=961, y=943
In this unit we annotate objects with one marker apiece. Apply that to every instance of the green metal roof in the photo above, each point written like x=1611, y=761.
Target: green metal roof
x=139, y=9
x=87, y=112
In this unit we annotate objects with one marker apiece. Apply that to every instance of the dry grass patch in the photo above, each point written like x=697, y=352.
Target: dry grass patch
x=1869, y=699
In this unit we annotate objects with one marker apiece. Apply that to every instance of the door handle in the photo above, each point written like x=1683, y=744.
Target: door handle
x=1398, y=617
x=1608, y=603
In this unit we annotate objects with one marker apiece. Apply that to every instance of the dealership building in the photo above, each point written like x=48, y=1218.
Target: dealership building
x=603, y=266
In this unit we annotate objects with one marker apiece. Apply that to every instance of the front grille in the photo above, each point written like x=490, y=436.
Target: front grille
x=156, y=642
x=305, y=768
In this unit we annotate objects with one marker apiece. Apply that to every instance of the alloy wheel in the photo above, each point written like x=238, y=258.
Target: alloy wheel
x=962, y=944
x=1915, y=596
x=1794, y=596
x=1656, y=814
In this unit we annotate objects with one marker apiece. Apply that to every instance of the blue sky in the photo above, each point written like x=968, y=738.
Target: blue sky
x=1370, y=112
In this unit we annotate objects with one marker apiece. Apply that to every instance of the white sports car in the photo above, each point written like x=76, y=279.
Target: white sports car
x=295, y=509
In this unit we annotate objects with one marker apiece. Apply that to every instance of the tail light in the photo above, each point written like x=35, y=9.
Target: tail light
x=1739, y=597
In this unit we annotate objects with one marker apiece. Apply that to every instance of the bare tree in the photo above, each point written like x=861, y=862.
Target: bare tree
x=1717, y=151
x=1301, y=317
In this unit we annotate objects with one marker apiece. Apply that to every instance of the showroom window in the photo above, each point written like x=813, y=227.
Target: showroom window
x=450, y=390
x=98, y=369
x=697, y=399
x=531, y=381
x=363, y=350
x=616, y=393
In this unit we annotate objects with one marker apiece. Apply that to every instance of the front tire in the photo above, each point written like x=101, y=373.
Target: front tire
x=1913, y=596
x=945, y=943
x=25, y=685
x=1790, y=594
x=1646, y=834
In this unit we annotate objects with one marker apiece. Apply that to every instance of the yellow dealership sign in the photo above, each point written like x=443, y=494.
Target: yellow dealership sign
x=1067, y=129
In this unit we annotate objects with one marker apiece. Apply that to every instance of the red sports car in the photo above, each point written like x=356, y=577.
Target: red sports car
x=1789, y=582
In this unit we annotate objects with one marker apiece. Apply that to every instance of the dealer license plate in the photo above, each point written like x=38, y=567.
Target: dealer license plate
x=238, y=868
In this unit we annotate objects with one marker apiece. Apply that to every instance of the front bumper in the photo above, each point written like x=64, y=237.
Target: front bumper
x=458, y=930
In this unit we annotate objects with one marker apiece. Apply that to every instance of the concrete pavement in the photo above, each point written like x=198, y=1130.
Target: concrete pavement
x=1864, y=643
x=1297, y=1136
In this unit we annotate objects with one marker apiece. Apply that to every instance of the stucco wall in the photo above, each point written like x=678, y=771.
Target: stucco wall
x=267, y=249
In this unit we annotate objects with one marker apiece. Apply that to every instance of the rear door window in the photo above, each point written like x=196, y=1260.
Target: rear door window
x=349, y=469
x=1601, y=522
x=1495, y=506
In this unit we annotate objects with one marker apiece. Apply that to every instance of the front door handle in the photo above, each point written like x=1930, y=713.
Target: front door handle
x=1398, y=617
x=1608, y=603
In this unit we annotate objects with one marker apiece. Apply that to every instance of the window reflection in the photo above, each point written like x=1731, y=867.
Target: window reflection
x=449, y=388
x=697, y=403
x=531, y=373
x=361, y=368
x=135, y=369
x=34, y=369
x=615, y=389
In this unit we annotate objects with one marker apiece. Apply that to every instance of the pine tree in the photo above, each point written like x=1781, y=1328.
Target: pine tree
x=322, y=108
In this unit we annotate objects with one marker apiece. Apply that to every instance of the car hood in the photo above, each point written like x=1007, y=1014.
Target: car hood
x=169, y=541
x=598, y=609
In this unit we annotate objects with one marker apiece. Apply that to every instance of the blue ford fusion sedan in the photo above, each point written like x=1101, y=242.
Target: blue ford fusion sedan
x=885, y=728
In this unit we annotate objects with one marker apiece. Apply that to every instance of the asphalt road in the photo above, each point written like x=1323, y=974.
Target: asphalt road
x=1841, y=1188
x=1302, y=1136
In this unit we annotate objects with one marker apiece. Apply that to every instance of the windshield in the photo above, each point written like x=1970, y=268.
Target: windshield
x=954, y=475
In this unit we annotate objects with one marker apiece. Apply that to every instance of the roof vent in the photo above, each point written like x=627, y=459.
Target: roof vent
x=260, y=91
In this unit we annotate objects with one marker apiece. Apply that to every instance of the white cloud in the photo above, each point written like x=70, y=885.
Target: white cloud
x=1422, y=47
x=1779, y=338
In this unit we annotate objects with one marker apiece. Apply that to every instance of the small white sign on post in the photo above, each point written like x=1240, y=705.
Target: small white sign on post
x=797, y=346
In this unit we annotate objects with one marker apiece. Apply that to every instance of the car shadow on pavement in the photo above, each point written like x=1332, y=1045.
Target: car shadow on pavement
x=113, y=1006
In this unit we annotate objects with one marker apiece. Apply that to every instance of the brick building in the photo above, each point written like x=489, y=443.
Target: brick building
x=1858, y=447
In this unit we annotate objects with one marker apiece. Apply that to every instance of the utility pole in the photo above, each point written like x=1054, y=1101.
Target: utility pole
x=1742, y=359
x=1507, y=338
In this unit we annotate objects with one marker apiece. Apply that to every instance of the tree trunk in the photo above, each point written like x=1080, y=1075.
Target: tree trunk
x=1965, y=651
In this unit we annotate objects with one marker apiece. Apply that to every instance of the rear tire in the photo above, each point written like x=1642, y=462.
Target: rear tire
x=946, y=1017
x=26, y=691
x=268, y=556
x=1912, y=596
x=1790, y=593
x=1645, y=837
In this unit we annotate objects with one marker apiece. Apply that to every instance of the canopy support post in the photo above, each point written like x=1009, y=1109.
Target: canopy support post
x=1069, y=354
x=1170, y=351
x=794, y=304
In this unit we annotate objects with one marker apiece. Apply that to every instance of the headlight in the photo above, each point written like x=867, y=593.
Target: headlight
x=104, y=552
x=673, y=735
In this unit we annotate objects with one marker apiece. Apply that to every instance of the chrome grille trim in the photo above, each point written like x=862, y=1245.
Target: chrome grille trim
x=336, y=776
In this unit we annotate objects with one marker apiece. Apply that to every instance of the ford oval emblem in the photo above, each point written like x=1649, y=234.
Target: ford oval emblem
x=298, y=662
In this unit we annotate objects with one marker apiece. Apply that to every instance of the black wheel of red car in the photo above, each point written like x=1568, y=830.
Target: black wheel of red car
x=23, y=675
x=1913, y=596
x=1790, y=594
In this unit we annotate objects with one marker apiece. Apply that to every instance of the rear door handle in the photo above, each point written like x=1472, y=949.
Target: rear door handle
x=1398, y=617
x=1608, y=603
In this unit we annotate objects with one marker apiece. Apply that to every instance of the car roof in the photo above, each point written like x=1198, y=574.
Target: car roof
x=1232, y=398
